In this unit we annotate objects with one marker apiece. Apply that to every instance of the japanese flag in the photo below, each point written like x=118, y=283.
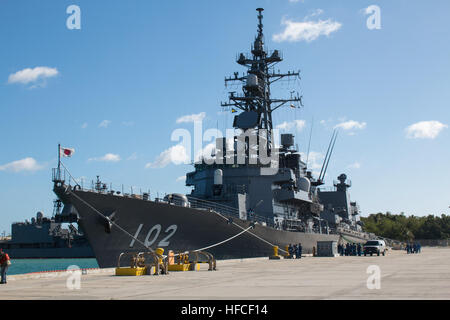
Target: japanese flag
x=66, y=152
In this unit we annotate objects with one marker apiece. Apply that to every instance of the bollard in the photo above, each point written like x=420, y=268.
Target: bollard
x=275, y=254
x=287, y=255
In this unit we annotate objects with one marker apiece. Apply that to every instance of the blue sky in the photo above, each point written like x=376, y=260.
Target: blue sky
x=114, y=89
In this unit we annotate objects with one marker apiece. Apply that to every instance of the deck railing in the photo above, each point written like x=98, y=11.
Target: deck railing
x=63, y=175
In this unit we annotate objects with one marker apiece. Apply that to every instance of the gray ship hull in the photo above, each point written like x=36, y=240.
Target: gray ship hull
x=173, y=228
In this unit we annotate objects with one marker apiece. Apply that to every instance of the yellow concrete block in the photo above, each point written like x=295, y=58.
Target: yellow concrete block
x=179, y=267
x=127, y=271
x=194, y=267
x=184, y=267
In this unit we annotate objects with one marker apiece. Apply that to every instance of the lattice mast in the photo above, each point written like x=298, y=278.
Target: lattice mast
x=256, y=84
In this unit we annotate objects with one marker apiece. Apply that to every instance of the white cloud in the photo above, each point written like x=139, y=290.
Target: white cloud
x=109, y=157
x=28, y=75
x=355, y=165
x=315, y=159
x=133, y=156
x=425, y=130
x=297, y=124
x=176, y=154
x=27, y=164
x=182, y=178
x=84, y=125
x=104, y=124
x=206, y=153
x=350, y=125
x=128, y=123
x=314, y=13
x=325, y=122
x=192, y=118
x=306, y=30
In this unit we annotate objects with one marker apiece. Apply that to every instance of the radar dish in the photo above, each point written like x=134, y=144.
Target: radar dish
x=246, y=120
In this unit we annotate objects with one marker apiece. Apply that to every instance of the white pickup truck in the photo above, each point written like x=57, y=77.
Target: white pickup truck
x=375, y=246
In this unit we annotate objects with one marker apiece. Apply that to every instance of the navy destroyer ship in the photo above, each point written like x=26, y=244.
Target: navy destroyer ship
x=250, y=196
x=44, y=237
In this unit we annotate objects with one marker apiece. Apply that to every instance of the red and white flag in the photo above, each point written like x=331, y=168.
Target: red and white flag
x=66, y=152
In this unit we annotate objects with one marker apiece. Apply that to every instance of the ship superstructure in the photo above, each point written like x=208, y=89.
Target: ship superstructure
x=44, y=237
x=238, y=178
x=339, y=210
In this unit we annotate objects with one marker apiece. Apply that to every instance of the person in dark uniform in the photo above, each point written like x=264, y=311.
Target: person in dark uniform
x=359, y=249
x=299, y=251
x=291, y=251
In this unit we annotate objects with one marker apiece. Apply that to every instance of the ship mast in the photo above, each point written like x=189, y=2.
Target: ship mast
x=255, y=102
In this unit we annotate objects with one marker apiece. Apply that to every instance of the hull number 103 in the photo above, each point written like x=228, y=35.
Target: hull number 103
x=153, y=234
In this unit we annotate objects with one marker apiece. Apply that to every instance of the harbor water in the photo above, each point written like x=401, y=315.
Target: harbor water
x=20, y=266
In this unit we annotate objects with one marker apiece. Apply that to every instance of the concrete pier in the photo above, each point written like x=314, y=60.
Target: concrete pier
x=402, y=276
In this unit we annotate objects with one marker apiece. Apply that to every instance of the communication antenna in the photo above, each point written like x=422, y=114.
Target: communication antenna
x=309, y=143
x=328, y=156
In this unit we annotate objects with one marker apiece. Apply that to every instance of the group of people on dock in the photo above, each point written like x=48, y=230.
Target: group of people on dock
x=413, y=247
x=350, y=249
x=295, y=251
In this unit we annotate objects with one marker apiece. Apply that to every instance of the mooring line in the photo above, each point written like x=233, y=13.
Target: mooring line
x=222, y=242
x=201, y=249
x=136, y=239
x=246, y=230
x=109, y=220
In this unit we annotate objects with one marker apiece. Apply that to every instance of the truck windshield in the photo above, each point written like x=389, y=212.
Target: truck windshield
x=372, y=243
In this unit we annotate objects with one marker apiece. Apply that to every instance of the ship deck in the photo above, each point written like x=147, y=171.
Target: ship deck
x=403, y=276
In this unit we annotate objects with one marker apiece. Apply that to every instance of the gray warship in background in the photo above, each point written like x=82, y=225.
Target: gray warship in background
x=236, y=208
x=44, y=237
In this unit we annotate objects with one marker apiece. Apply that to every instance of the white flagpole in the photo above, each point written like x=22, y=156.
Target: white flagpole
x=59, y=161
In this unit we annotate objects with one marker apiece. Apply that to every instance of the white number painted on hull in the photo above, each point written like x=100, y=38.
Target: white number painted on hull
x=136, y=235
x=153, y=235
x=156, y=228
x=165, y=242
